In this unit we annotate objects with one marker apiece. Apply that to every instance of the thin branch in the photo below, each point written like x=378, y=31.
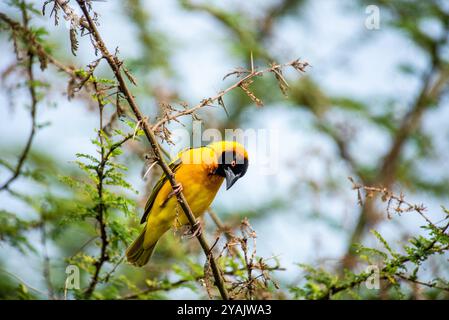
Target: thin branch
x=71, y=14
x=397, y=203
x=230, y=236
x=115, y=66
x=220, y=225
x=34, y=100
x=431, y=91
x=430, y=249
x=157, y=288
x=100, y=207
x=422, y=283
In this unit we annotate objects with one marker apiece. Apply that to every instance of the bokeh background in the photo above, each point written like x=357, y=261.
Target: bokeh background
x=364, y=89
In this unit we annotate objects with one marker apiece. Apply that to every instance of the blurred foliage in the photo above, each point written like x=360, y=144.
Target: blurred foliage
x=391, y=268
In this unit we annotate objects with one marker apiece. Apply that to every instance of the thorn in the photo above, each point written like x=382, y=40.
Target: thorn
x=149, y=169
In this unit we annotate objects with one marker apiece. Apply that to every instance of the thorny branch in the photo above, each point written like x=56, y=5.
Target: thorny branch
x=220, y=226
x=249, y=284
x=243, y=83
x=34, y=46
x=398, y=204
x=69, y=13
x=251, y=273
x=115, y=66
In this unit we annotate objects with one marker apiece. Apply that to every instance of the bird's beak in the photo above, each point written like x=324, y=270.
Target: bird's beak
x=231, y=177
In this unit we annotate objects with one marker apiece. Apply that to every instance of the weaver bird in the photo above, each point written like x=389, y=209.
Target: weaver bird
x=200, y=173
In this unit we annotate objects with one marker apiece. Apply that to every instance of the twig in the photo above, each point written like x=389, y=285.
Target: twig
x=71, y=14
x=46, y=58
x=250, y=74
x=401, y=205
x=156, y=288
x=46, y=262
x=108, y=275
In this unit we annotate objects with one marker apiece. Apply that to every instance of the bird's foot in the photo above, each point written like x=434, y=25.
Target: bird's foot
x=194, y=231
x=176, y=190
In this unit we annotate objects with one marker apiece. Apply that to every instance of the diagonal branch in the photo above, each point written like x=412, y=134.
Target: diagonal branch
x=297, y=64
x=422, y=283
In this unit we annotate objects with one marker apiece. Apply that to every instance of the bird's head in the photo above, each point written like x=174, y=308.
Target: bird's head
x=232, y=161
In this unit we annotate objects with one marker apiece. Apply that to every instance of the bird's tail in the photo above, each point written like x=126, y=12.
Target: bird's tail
x=137, y=254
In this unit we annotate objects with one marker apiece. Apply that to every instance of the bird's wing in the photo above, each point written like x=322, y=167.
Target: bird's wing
x=173, y=166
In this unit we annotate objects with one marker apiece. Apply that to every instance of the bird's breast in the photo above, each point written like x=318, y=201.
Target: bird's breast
x=199, y=187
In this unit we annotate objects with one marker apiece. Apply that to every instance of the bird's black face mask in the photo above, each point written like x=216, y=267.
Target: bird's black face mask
x=231, y=166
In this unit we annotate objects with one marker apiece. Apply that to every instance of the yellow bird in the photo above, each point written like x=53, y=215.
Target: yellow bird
x=200, y=173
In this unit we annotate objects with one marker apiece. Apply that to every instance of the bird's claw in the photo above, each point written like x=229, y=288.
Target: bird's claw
x=194, y=231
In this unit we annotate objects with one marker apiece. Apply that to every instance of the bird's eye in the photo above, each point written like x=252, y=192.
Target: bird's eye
x=233, y=163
